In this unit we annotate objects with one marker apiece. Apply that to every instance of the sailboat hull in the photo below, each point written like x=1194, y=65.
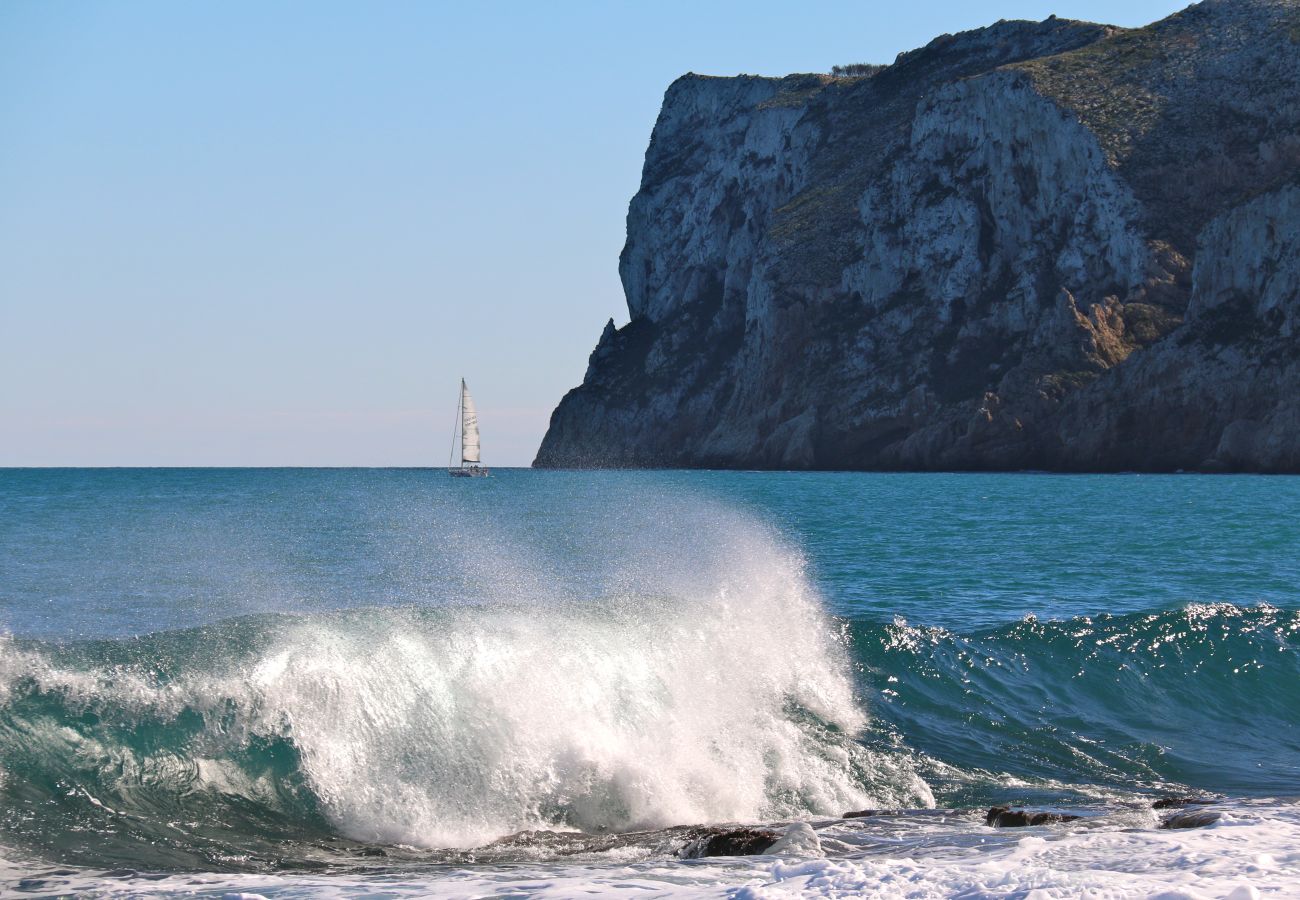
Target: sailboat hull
x=468, y=472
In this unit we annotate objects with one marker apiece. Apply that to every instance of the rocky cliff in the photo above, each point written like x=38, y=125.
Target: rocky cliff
x=1052, y=245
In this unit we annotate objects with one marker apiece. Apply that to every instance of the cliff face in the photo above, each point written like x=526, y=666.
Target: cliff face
x=1036, y=245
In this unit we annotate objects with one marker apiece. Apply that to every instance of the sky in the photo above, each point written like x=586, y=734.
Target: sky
x=247, y=233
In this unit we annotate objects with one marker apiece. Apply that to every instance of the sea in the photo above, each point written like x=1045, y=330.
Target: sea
x=392, y=683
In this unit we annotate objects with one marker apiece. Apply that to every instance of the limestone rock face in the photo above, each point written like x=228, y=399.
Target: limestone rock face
x=1050, y=245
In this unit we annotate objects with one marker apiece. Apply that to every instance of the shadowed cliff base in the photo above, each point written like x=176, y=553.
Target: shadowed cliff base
x=1037, y=245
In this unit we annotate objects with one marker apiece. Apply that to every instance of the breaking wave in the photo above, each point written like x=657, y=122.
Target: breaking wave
x=706, y=686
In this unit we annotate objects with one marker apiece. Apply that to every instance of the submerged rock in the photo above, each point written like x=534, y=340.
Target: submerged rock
x=1036, y=245
x=1191, y=818
x=876, y=813
x=799, y=839
x=731, y=842
x=1005, y=817
x=1179, y=802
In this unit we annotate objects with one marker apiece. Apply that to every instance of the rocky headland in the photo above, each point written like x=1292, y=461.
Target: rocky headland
x=1037, y=245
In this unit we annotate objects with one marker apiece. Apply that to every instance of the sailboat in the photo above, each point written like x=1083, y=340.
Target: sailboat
x=467, y=426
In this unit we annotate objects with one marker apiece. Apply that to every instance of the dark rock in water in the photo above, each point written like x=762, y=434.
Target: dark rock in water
x=1192, y=818
x=1003, y=817
x=731, y=842
x=1179, y=802
x=1036, y=245
x=872, y=813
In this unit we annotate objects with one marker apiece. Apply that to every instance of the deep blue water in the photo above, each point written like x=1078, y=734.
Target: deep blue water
x=329, y=659
x=116, y=552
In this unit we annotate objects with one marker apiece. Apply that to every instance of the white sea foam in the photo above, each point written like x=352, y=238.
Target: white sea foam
x=1253, y=852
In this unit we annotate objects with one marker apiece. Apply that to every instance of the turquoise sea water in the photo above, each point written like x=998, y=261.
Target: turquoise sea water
x=261, y=671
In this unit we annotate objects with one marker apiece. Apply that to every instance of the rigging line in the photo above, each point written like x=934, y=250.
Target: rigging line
x=451, y=454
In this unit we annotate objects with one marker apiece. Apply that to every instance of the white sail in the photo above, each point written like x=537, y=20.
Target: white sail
x=468, y=427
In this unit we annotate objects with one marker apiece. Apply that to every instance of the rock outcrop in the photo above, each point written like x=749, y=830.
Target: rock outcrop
x=1052, y=245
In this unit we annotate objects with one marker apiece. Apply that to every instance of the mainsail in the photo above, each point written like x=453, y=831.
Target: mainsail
x=468, y=426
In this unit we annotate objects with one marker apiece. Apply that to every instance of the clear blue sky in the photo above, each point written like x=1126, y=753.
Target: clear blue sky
x=250, y=233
